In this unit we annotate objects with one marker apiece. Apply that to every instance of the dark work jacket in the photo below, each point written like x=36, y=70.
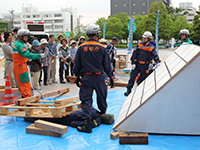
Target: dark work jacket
x=35, y=65
x=144, y=53
x=92, y=57
x=110, y=49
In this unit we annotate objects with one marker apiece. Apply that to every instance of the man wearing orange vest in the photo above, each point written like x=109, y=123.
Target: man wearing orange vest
x=20, y=57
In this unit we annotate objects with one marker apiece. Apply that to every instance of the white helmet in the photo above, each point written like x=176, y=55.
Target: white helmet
x=185, y=32
x=102, y=40
x=23, y=32
x=92, y=29
x=147, y=34
x=82, y=37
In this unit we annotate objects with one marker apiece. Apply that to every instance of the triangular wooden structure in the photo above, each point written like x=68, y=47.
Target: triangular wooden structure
x=168, y=101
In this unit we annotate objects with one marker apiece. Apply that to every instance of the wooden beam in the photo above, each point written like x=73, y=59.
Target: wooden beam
x=32, y=99
x=51, y=126
x=35, y=130
x=65, y=101
x=70, y=77
x=14, y=90
x=133, y=138
x=123, y=84
x=115, y=135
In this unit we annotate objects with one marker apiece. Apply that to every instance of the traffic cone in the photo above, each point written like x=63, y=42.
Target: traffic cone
x=8, y=96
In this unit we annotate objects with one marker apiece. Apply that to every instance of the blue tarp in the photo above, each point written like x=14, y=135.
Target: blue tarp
x=13, y=135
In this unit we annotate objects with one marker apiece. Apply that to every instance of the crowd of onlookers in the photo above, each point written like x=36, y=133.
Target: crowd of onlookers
x=62, y=50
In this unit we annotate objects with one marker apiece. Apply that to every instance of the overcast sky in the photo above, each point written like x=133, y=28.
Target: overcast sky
x=91, y=10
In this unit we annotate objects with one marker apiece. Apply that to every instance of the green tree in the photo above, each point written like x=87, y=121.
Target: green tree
x=180, y=24
x=175, y=12
x=165, y=21
x=195, y=34
x=100, y=22
x=114, y=28
x=78, y=34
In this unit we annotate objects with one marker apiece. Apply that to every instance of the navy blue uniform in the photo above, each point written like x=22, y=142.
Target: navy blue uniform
x=93, y=59
x=141, y=58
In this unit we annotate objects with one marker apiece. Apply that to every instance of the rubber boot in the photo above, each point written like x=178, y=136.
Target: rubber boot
x=128, y=91
x=86, y=127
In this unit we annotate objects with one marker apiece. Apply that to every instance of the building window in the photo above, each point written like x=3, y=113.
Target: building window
x=36, y=16
x=47, y=15
x=57, y=15
x=26, y=16
x=58, y=21
x=143, y=12
x=48, y=27
x=17, y=22
x=190, y=19
x=133, y=4
x=143, y=4
x=115, y=5
x=48, y=21
x=58, y=26
x=124, y=5
x=134, y=13
x=191, y=14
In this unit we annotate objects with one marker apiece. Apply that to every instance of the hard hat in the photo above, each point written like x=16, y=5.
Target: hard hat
x=185, y=31
x=147, y=34
x=36, y=43
x=102, y=40
x=82, y=37
x=72, y=42
x=115, y=39
x=92, y=29
x=23, y=32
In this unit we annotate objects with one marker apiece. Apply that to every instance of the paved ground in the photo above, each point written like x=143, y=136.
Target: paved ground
x=164, y=53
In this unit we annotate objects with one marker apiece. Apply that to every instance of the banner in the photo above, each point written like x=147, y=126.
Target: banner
x=130, y=37
x=128, y=26
x=157, y=25
x=104, y=30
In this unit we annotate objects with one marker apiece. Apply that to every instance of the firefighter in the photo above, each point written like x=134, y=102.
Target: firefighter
x=140, y=60
x=20, y=57
x=93, y=59
x=185, y=33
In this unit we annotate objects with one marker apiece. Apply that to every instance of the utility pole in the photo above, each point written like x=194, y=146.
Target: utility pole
x=12, y=19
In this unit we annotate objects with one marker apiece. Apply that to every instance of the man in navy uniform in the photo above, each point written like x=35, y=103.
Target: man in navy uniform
x=140, y=60
x=92, y=58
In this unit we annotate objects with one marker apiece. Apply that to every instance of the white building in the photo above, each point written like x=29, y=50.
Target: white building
x=55, y=21
x=187, y=6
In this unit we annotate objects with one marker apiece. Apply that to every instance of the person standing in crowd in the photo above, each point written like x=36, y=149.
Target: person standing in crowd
x=140, y=60
x=152, y=41
x=7, y=50
x=81, y=40
x=52, y=60
x=60, y=37
x=72, y=51
x=64, y=63
x=103, y=42
x=112, y=53
x=44, y=61
x=93, y=59
x=185, y=33
x=15, y=36
x=20, y=57
x=36, y=65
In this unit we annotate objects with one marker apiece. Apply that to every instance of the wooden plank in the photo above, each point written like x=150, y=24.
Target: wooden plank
x=2, y=87
x=65, y=101
x=29, y=112
x=35, y=130
x=70, y=77
x=14, y=90
x=51, y=126
x=4, y=111
x=135, y=138
x=115, y=135
x=32, y=99
x=39, y=104
x=123, y=84
x=72, y=81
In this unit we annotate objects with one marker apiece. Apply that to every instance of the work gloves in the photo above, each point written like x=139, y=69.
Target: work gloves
x=157, y=65
x=112, y=84
x=78, y=81
x=133, y=66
